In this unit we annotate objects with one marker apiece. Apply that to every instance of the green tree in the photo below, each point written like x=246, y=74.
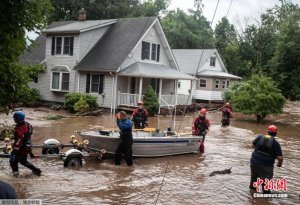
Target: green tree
x=286, y=62
x=151, y=101
x=17, y=18
x=258, y=96
x=187, y=31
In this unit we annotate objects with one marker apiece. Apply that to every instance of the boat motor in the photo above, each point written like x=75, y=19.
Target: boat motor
x=51, y=146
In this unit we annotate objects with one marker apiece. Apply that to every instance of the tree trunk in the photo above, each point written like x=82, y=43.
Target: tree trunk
x=260, y=118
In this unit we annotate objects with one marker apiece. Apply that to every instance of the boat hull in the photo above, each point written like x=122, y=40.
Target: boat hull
x=144, y=144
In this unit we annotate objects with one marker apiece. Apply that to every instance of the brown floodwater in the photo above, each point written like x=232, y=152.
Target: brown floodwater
x=186, y=180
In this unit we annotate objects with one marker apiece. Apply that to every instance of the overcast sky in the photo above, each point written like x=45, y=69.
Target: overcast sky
x=239, y=13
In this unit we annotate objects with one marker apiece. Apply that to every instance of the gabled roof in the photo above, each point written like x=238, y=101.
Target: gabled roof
x=188, y=59
x=113, y=48
x=151, y=70
x=37, y=53
x=79, y=26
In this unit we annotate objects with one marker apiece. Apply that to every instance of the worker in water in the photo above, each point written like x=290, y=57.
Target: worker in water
x=267, y=149
x=22, y=145
x=200, y=127
x=226, y=115
x=140, y=116
x=125, y=145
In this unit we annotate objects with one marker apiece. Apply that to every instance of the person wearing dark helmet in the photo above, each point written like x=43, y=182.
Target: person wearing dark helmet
x=200, y=127
x=140, y=116
x=226, y=115
x=21, y=145
x=267, y=149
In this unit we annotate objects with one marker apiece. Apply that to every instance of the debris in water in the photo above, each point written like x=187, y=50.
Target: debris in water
x=225, y=171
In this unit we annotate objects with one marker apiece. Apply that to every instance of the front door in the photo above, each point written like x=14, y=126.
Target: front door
x=134, y=85
x=155, y=85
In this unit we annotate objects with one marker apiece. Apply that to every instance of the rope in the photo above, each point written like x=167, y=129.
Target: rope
x=192, y=85
x=184, y=110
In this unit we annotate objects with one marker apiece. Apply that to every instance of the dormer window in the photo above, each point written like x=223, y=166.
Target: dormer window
x=150, y=50
x=213, y=61
x=62, y=45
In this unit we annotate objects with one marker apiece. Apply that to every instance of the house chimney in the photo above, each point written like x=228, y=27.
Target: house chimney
x=82, y=15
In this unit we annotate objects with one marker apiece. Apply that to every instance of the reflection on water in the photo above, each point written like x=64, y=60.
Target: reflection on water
x=187, y=178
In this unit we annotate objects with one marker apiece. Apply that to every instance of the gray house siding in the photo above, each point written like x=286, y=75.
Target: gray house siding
x=103, y=100
x=151, y=36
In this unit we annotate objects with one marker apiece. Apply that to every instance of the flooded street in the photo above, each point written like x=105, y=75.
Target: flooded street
x=186, y=181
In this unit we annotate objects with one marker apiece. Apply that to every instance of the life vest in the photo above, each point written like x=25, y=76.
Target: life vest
x=226, y=113
x=200, y=124
x=263, y=150
x=139, y=116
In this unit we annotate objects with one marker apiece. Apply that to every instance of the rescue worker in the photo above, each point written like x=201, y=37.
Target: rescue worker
x=267, y=149
x=226, y=115
x=140, y=116
x=22, y=145
x=125, y=145
x=200, y=127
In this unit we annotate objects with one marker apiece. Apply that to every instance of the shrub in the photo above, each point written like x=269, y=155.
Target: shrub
x=151, y=101
x=258, y=96
x=32, y=95
x=72, y=98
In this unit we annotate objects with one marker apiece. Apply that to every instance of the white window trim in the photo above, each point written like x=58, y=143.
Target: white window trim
x=217, y=84
x=60, y=82
x=62, y=45
x=224, y=84
x=228, y=83
x=150, y=55
x=200, y=82
x=91, y=77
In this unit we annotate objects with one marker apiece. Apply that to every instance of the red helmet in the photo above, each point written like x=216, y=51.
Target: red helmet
x=203, y=111
x=227, y=105
x=272, y=128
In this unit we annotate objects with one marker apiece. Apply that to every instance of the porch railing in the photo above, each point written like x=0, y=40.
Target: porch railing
x=127, y=99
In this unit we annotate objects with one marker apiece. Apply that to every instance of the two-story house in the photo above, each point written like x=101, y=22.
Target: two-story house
x=211, y=75
x=114, y=60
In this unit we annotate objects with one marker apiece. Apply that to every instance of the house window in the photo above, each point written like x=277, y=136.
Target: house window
x=94, y=83
x=178, y=84
x=65, y=43
x=217, y=83
x=145, y=50
x=213, y=61
x=202, y=83
x=228, y=83
x=224, y=83
x=60, y=81
x=155, y=51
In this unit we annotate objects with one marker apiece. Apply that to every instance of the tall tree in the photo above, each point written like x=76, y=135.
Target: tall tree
x=286, y=61
x=17, y=18
x=186, y=31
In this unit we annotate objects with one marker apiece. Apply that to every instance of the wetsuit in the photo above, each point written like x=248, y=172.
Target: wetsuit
x=263, y=158
x=125, y=145
x=139, y=118
x=226, y=115
x=22, y=138
x=200, y=128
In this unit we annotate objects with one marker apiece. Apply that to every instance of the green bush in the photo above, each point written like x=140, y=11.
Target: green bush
x=81, y=105
x=151, y=101
x=257, y=96
x=72, y=98
x=32, y=95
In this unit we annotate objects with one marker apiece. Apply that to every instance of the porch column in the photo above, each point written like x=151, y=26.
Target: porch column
x=141, y=88
x=115, y=93
x=159, y=93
